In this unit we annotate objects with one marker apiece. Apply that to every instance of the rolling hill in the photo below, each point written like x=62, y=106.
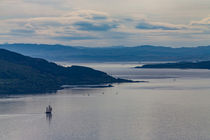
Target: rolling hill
x=110, y=54
x=23, y=74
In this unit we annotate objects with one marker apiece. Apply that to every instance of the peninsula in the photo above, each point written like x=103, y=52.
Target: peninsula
x=23, y=74
x=178, y=65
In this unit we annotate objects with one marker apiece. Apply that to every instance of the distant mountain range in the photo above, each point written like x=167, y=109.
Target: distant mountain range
x=110, y=54
x=180, y=65
x=22, y=74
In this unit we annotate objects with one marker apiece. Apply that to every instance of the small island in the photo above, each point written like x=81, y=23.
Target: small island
x=22, y=74
x=179, y=65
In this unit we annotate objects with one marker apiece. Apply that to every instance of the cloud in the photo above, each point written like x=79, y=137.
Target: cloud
x=156, y=26
x=69, y=38
x=205, y=21
x=87, y=26
x=44, y=1
x=22, y=31
x=98, y=28
x=89, y=14
x=99, y=17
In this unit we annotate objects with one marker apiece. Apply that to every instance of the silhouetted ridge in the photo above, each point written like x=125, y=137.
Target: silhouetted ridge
x=111, y=54
x=22, y=74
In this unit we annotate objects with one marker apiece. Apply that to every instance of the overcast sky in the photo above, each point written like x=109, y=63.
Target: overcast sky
x=93, y=23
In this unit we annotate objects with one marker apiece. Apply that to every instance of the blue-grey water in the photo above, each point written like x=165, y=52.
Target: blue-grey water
x=173, y=105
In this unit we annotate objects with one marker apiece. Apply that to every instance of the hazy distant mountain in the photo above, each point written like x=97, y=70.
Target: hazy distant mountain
x=22, y=74
x=180, y=65
x=110, y=54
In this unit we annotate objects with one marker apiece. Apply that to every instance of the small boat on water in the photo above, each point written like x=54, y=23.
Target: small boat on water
x=48, y=110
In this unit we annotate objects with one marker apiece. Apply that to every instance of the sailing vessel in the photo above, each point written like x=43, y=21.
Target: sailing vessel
x=48, y=110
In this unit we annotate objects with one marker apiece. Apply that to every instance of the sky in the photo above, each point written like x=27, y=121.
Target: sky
x=101, y=23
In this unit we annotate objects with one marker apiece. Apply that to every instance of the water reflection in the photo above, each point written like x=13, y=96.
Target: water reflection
x=49, y=117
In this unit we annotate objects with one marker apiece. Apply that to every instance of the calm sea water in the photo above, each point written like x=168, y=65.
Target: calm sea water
x=173, y=105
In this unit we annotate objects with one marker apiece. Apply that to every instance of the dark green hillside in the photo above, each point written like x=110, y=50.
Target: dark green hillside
x=22, y=74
